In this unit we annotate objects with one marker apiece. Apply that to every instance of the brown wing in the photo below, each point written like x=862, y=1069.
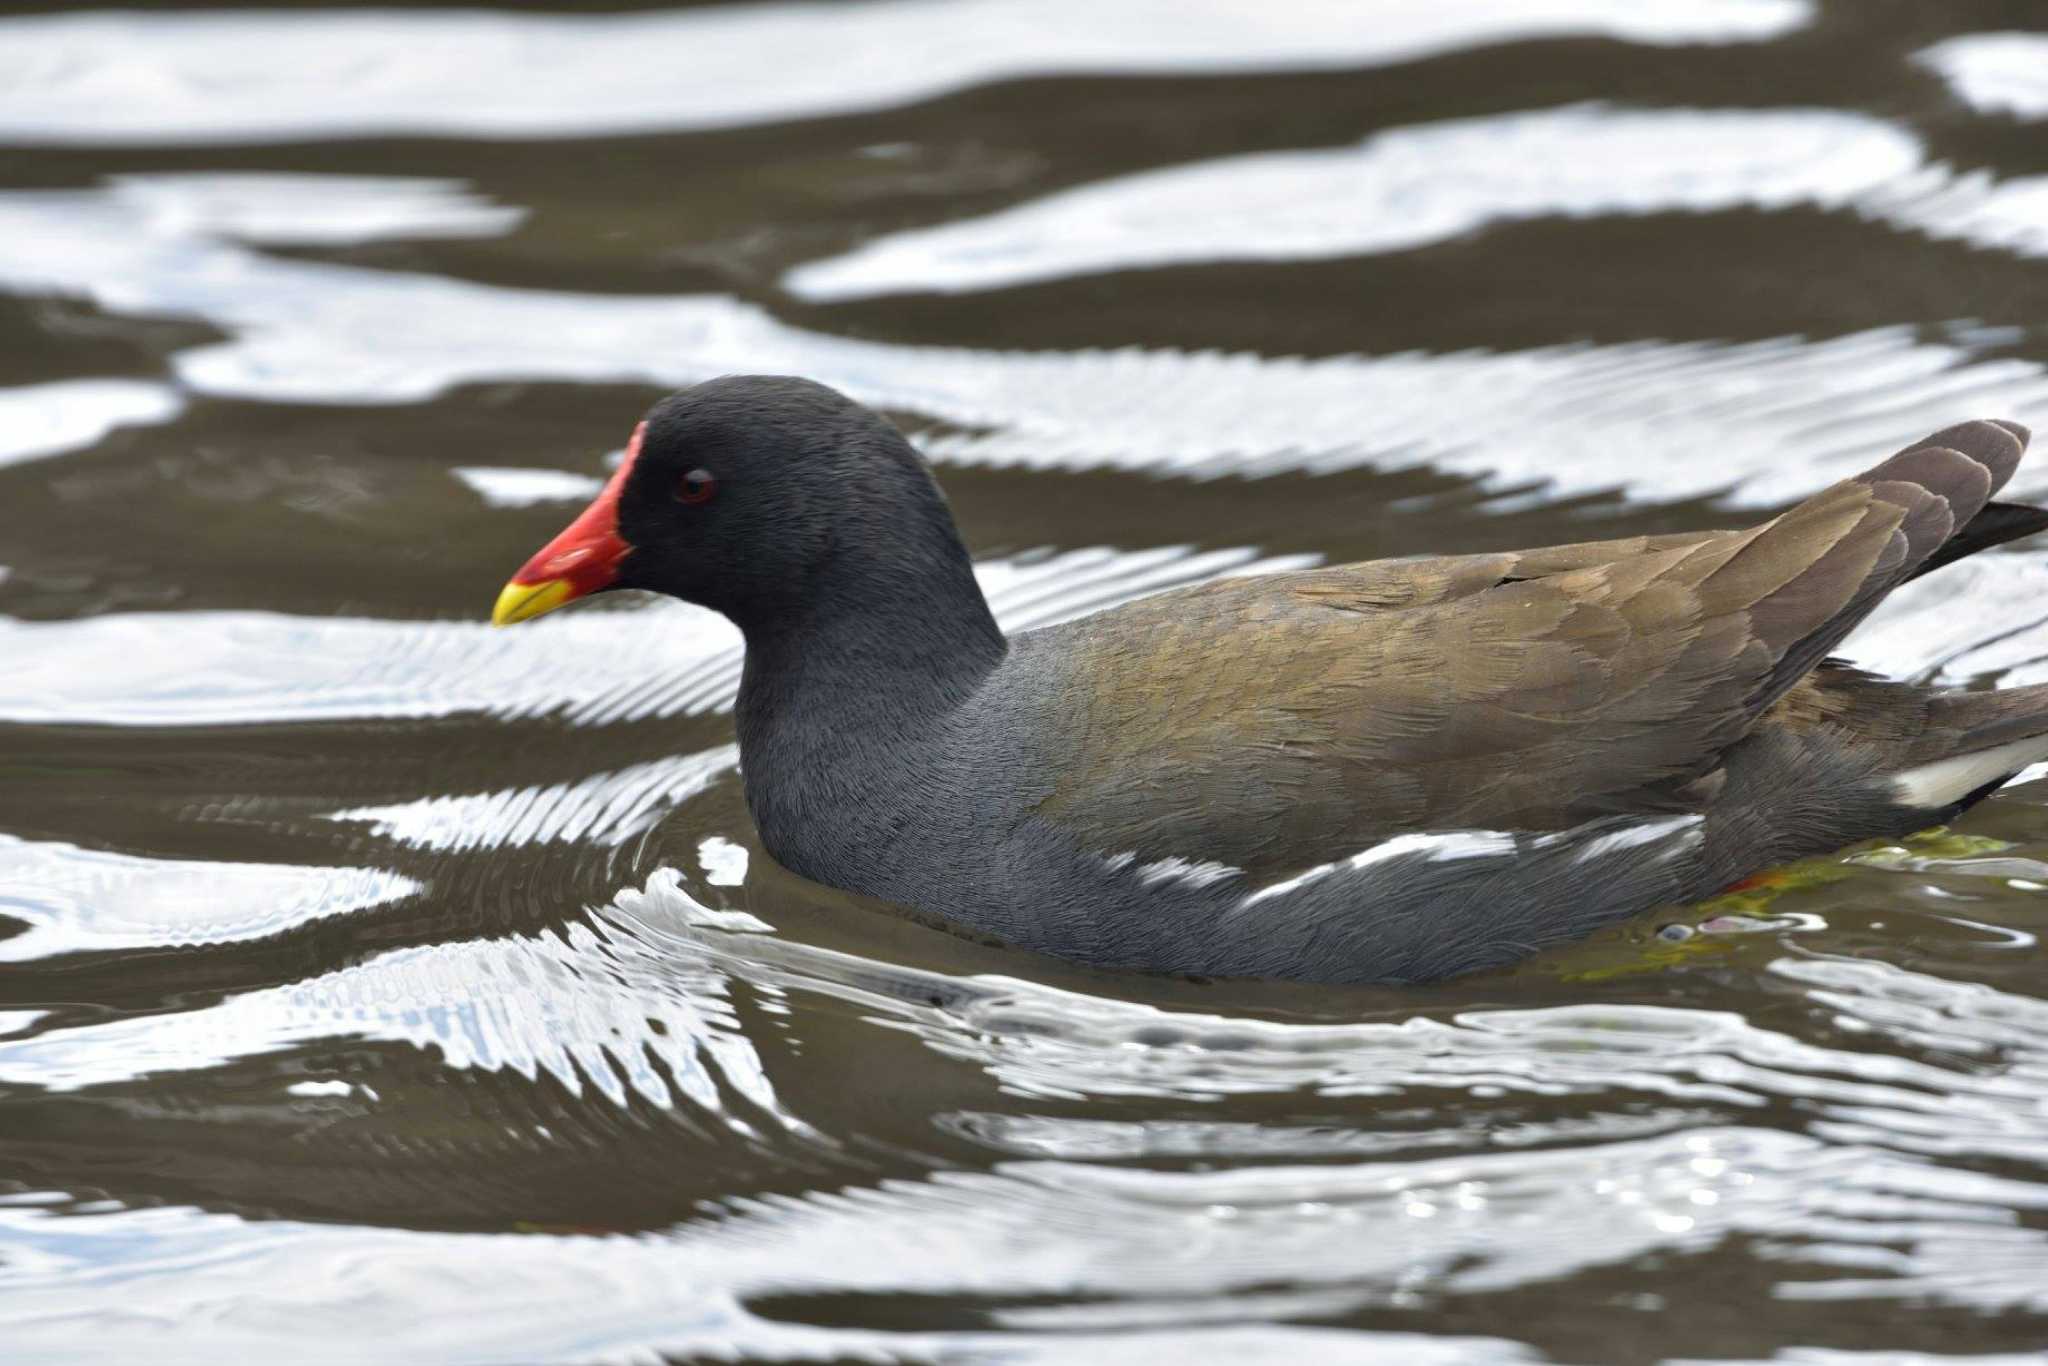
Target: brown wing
x=1277, y=722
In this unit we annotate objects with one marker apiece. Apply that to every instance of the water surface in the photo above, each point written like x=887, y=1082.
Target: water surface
x=376, y=986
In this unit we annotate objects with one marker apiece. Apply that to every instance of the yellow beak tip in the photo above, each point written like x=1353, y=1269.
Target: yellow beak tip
x=519, y=602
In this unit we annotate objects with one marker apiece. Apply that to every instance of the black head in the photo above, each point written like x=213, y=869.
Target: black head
x=760, y=496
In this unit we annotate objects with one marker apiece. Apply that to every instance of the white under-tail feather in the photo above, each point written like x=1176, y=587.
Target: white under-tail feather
x=1946, y=781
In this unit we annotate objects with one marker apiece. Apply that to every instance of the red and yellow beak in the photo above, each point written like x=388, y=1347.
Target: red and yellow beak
x=577, y=563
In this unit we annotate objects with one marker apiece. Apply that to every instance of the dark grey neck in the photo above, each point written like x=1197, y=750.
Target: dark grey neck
x=870, y=657
x=842, y=711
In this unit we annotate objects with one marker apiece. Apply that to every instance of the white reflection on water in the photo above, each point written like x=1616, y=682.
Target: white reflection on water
x=295, y=209
x=1410, y=187
x=511, y=487
x=252, y=77
x=1983, y=616
x=603, y=809
x=589, y=991
x=1995, y=73
x=171, y=1286
x=585, y=1006
x=223, y=668
x=1395, y=190
x=649, y=980
x=1766, y=421
x=77, y=900
x=66, y=415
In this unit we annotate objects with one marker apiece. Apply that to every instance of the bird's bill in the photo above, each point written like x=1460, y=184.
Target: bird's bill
x=583, y=560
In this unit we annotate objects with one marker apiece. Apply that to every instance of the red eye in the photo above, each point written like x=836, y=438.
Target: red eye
x=697, y=487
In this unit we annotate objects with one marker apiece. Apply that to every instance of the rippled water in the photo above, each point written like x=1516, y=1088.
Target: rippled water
x=376, y=986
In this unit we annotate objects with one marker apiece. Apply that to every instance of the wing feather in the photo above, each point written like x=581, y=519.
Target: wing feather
x=1264, y=722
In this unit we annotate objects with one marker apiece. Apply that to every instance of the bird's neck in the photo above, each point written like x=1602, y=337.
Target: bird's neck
x=869, y=657
x=844, y=716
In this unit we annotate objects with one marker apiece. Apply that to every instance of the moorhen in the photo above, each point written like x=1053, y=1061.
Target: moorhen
x=1381, y=772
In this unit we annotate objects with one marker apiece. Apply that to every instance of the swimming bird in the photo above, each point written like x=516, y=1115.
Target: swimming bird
x=1386, y=772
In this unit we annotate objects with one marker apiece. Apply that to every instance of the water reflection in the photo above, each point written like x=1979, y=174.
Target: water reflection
x=641, y=1003
x=1411, y=187
x=1396, y=190
x=381, y=986
x=1763, y=421
x=225, y=78
x=607, y=808
x=516, y=488
x=75, y=900
x=66, y=415
x=1995, y=73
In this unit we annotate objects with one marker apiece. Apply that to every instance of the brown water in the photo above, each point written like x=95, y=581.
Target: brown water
x=377, y=987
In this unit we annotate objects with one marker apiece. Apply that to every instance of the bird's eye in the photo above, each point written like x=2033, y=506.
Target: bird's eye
x=697, y=487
